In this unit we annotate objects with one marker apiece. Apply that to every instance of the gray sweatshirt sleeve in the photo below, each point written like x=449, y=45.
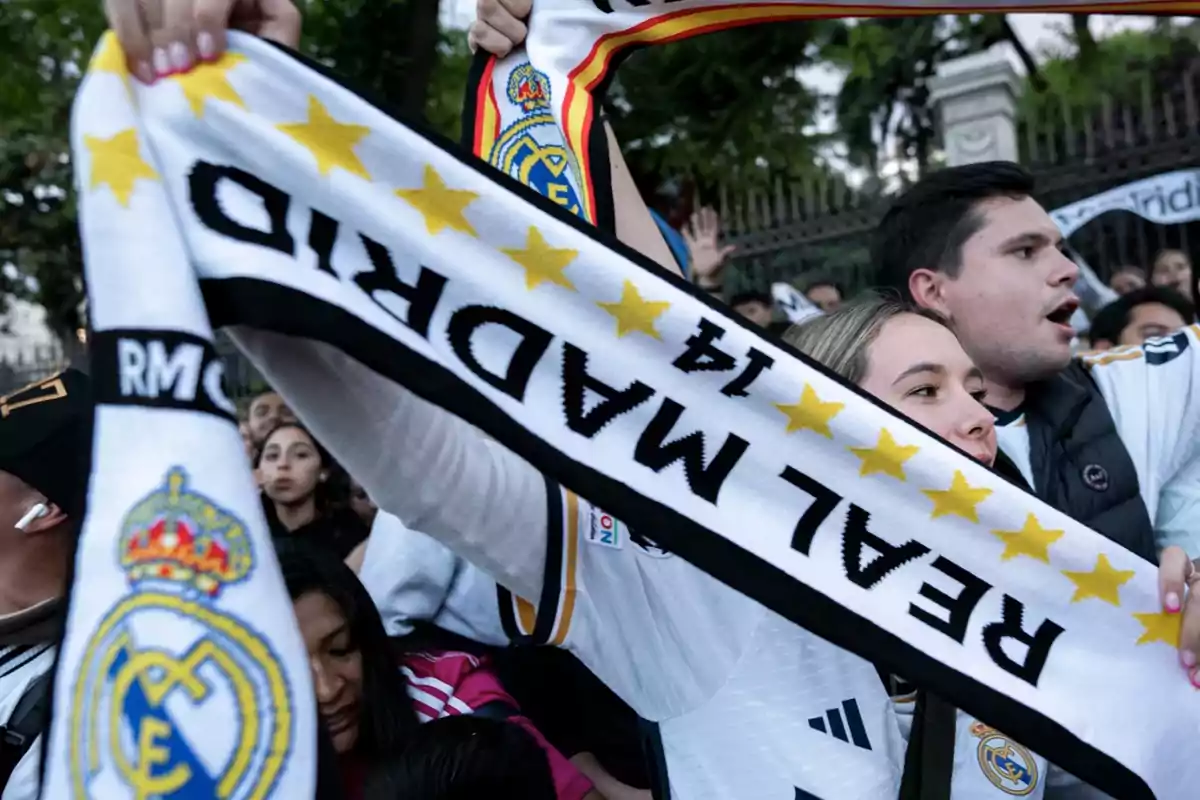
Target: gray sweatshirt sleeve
x=433, y=471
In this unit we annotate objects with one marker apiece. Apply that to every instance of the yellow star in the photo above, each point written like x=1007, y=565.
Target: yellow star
x=1160, y=627
x=442, y=207
x=1103, y=582
x=118, y=162
x=210, y=81
x=1032, y=540
x=811, y=412
x=109, y=57
x=886, y=456
x=331, y=142
x=960, y=499
x=633, y=313
x=542, y=262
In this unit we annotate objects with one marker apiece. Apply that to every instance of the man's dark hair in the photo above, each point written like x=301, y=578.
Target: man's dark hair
x=813, y=283
x=468, y=757
x=1111, y=320
x=756, y=296
x=926, y=227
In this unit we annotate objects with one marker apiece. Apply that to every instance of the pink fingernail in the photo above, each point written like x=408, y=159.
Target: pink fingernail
x=144, y=72
x=206, y=45
x=1187, y=658
x=181, y=59
x=1171, y=601
x=1194, y=677
x=162, y=64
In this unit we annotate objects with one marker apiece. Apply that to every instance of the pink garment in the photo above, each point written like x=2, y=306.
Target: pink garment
x=446, y=683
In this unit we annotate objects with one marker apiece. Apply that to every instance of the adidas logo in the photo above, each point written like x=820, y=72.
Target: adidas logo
x=837, y=722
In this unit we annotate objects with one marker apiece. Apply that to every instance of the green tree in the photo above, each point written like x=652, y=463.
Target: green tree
x=726, y=108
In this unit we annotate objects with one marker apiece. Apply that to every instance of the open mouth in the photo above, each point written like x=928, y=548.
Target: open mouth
x=1061, y=315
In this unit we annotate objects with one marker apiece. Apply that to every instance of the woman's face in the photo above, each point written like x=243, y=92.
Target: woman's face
x=290, y=467
x=1173, y=269
x=336, y=664
x=918, y=367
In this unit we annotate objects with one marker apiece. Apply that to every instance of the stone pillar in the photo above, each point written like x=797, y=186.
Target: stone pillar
x=975, y=97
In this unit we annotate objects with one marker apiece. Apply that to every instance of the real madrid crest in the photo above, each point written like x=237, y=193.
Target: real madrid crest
x=1009, y=766
x=529, y=146
x=175, y=697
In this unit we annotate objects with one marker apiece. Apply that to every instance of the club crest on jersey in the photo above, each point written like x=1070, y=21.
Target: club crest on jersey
x=1010, y=767
x=176, y=698
x=530, y=148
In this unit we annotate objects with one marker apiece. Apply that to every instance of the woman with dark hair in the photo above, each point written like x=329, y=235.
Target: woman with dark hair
x=372, y=692
x=305, y=492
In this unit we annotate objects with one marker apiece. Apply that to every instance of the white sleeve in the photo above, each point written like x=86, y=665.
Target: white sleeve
x=1153, y=393
x=1178, y=519
x=663, y=635
x=413, y=577
x=435, y=472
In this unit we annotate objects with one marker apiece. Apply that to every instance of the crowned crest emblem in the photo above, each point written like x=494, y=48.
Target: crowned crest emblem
x=529, y=88
x=175, y=536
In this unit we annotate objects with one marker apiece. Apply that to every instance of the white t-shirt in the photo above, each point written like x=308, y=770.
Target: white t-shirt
x=1152, y=395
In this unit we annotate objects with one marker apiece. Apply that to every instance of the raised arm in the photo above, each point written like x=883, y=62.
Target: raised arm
x=433, y=471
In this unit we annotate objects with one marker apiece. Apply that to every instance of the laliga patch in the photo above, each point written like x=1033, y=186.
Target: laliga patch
x=604, y=530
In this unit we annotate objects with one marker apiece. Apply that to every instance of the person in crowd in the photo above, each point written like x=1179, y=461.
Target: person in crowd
x=758, y=307
x=1127, y=279
x=863, y=342
x=465, y=758
x=305, y=492
x=705, y=643
x=824, y=294
x=416, y=581
x=1173, y=269
x=1147, y=313
x=267, y=411
x=45, y=444
x=971, y=243
x=372, y=692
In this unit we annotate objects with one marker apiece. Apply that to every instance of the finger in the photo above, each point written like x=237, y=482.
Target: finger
x=125, y=19
x=711, y=223
x=1173, y=567
x=501, y=20
x=281, y=22
x=518, y=8
x=491, y=40
x=210, y=18
x=727, y=250
x=174, y=42
x=1189, y=634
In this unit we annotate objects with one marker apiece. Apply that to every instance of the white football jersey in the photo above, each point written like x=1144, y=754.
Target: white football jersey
x=1152, y=393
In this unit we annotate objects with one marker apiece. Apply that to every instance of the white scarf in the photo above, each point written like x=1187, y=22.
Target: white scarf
x=303, y=209
x=183, y=673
